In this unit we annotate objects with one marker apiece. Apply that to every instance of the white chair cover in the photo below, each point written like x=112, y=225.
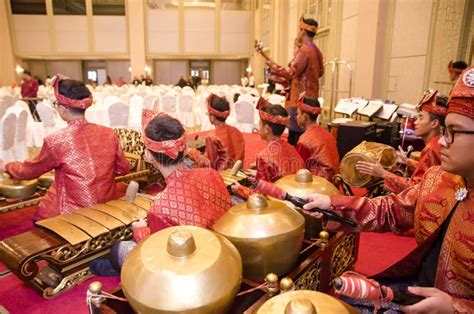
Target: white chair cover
x=49, y=117
x=245, y=115
x=7, y=136
x=149, y=101
x=275, y=99
x=186, y=114
x=118, y=115
x=135, y=112
x=20, y=148
x=111, y=99
x=168, y=105
x=34, y=130
x=4, y=104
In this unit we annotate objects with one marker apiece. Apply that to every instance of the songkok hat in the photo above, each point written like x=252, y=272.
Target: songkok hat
x=307, y=27
x=307, y=108
x=69, y=102
x=461, y=99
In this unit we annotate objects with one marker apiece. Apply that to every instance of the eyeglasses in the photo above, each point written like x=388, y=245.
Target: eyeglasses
x=448, y=134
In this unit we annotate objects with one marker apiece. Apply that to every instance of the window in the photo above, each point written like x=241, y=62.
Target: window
x=108, y=7
x=69, y=7
x=92, y=75
x=28, y=6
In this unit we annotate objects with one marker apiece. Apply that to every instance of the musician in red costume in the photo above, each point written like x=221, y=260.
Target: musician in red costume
x=225, y=145
x=432, y=112
x=316, y=146
x=305, y=69
x=278, y=158
x=440, y=207
x=196, y=196
x=85, y=157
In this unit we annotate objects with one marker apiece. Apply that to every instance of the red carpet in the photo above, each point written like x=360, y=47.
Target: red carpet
x=376, y=252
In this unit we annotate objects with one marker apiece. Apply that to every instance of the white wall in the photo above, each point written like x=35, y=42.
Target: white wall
x=235, y=31
x=411, y=29
x=71, y=33
x=110, y=34
x=163, y=31
x=168, y=72
x=199, y=31
x=31, y=33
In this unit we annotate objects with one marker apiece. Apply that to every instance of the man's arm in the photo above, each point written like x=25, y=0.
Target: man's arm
x=33, y=168
x=297, y=67
x=122, y=166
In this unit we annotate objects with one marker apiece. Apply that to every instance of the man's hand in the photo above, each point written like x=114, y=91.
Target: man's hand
x=436, y=301
x=235, y=187
x=316, y=200
x=374, y=170
x=401, y=156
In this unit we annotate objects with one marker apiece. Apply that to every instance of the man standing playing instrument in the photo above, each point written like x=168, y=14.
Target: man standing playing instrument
x=316, y=146
x=225, y=145
x=432, y=112
x=307, y=67
x=85, y=157
x=440, y=207
x=192, y=197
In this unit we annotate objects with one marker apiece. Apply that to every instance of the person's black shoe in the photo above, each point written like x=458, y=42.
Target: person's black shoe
x=102, y=267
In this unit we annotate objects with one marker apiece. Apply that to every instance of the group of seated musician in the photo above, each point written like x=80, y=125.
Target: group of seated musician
x=437, y=200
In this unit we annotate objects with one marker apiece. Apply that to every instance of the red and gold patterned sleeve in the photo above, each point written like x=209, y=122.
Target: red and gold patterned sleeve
x=141, y=233
x=463, y=305
x=319, y=163
x=122, y=166
x=384, y=213
x=214, y=157
x=396, y=184
x=267, y=170
x=299, y=64
x=33, y=168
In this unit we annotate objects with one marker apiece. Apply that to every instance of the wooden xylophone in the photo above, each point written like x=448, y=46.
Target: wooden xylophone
x=67, y=243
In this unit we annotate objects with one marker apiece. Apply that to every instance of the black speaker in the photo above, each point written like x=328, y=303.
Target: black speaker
x=351, y=134
x=389, y=133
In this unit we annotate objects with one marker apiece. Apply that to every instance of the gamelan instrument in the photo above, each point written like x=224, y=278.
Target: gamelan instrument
x=319, y=262
x=369, y=152
x=262, y=230
x=67, y=243
x=16, y=189
x=182, y=269
x=301, y=184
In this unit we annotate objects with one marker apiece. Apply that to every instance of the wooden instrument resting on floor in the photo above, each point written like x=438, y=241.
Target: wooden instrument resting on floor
x=67, y=243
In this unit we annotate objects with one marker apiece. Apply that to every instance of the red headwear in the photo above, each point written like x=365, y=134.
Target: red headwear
x=65, y=101
x=214, y=112
x=171, y=148
x=461, y=99
x=269, y=117
x=428, y=103
x=307, y=27
x=307, y=108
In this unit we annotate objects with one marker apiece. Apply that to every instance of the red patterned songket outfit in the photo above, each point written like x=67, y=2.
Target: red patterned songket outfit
x=277, y=159
x=192, y=197
x=224, y=146
x=424, y=206
x=318, y=149
x=85, y=158
x=307, y=67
